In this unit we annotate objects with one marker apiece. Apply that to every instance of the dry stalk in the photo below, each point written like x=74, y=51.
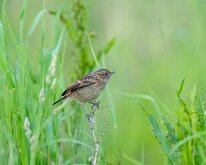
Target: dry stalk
x=91, y=118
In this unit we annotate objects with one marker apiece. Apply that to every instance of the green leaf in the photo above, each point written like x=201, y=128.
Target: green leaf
x=109, y=45
x=180, y=88
x=193, y=95
x=35, y=22
x=93, y=54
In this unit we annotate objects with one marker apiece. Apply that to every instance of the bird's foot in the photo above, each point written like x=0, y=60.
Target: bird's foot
x=95, y=103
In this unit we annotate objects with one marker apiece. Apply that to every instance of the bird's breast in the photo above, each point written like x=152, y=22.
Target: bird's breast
x=88, y=93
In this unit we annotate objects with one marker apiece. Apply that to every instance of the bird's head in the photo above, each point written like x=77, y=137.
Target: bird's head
x=104, y=73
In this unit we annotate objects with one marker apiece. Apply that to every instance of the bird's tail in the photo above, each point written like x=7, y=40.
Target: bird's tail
x=64, y=97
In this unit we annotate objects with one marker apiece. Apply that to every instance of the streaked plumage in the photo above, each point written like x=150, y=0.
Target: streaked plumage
x=87, y=88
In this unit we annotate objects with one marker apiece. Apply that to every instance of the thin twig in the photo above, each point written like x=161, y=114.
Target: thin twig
x=91, y=118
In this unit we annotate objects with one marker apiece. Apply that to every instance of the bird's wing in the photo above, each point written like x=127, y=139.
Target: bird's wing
x=84, y=81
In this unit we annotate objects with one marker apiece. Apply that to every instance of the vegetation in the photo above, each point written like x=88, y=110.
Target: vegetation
x=182, y=139
x=46, y=45
x=35, y=132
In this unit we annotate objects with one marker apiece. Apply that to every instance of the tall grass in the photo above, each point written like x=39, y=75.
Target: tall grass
x=182, y=132
x=31, y=132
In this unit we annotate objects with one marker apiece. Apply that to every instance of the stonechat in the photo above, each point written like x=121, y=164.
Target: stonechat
x=87, y=88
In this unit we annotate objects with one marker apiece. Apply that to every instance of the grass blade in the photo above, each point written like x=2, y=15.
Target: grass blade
x=35, y=22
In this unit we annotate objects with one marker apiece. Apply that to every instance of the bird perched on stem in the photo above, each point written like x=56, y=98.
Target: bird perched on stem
x=87, y=88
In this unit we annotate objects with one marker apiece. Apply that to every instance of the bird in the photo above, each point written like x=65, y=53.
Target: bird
x=88, y=88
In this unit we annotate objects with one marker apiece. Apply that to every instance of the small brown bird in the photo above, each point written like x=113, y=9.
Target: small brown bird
x=87, y=88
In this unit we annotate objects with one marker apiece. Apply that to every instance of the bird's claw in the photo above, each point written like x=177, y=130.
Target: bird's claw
x=95, y=104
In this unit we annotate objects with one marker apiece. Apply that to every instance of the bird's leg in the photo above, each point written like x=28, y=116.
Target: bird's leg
x=90, y=116
x=95, y=103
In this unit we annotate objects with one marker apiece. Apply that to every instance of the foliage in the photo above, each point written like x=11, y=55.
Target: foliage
x=79, y=35
x=32, y=132
x=183, y=142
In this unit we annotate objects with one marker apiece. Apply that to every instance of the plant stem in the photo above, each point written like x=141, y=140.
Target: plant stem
x=91, y=118
x=96, y=147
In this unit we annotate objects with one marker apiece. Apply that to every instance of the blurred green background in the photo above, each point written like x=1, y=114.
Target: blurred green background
x=158, y=43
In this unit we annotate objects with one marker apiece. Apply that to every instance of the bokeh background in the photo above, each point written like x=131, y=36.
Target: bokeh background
x=158, y=43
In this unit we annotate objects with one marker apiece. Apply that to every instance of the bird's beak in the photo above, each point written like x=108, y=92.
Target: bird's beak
x=112, y=72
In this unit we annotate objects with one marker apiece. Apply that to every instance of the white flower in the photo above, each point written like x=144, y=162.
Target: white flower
x=33, y=141
x=41, y=96
x=48, y=79
x=27, y=128
x=52, y=69
x=53, y=83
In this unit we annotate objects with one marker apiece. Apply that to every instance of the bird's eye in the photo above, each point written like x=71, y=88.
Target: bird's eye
x=106, y=74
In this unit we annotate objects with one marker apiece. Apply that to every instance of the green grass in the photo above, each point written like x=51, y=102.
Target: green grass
x=182, y=139
x=46, y=45
x=32, y=131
